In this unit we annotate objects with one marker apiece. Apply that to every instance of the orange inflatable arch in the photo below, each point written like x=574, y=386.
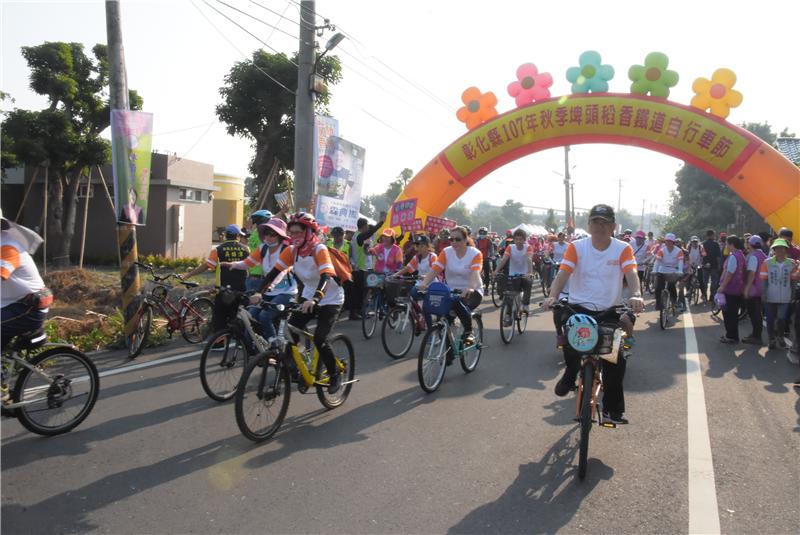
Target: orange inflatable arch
x=758, y=173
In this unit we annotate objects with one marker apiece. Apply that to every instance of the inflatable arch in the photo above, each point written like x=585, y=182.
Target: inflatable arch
x=758, y=173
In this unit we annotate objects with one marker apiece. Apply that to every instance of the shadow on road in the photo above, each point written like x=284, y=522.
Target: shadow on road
x=543, y=498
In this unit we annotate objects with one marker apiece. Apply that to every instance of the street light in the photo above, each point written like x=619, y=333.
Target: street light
x=318, y=85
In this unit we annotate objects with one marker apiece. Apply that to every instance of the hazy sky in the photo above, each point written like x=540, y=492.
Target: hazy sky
x=407, y=63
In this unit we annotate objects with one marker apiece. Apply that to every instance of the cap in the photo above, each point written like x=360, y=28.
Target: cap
x=695, y=238
x=602, y=211
x=669, y=237
x=337, y=230
x=755, y=240
x=780, y=242
x=640, y=234
x=234, y=230
x=785, y=233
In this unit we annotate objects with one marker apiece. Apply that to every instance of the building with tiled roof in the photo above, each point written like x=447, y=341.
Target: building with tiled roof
x=789, y=147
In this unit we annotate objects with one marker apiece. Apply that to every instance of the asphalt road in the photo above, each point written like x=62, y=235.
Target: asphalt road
x=491, y=452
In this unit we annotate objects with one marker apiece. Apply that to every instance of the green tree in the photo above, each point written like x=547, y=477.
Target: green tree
x=702, y=202
x=459, y=212
x=66, y=135
x=373, y=205
x=551, y=221
x=260, y=110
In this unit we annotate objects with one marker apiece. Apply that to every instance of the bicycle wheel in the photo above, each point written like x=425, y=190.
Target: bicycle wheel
x=397, y=332
x=586, y=416
x=507, y=321
x=138, y=338
x=369, y=315
x=346, y=364
x=57, y=403
x=196, y=319
x=522, y=321
x=663, y=314
x=431, y=363
x=262, y=397
x=225, y=357
x=472, y=354
x=497, y=298
x=546, y=285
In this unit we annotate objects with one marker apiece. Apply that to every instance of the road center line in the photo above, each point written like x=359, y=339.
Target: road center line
x=125, y=369
x=703, y=509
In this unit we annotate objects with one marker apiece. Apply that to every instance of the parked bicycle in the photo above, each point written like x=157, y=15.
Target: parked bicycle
x=375, y=305
x=594, y=337
x=511, y=312
x=56, y=385
x=404, y=321
x=192, y=316
x=262, y=397
x=228, y=350
x=444, y=341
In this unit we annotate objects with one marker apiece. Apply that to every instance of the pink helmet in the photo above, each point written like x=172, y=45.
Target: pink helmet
x=640, y=234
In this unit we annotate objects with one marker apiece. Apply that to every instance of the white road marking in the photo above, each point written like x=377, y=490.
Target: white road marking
x=125, y=369
x=703, y=510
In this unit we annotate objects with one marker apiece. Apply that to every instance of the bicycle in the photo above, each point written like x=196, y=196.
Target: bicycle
x=668, y=310
x=693, y=295
x=593, y=340
x=192, y=316
x=511, y=312
x=647, y=280
x=262, y=397
x=56, y=385
x=550, y=269
x=375, y=306
x=404, y=320
x=228, y=351
x=444, y=340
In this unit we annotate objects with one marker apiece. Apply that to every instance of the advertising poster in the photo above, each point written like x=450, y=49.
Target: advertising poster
x=403, y=213
x=340, y=182
x=131, y=141
x=324, y=129
x=435, y=224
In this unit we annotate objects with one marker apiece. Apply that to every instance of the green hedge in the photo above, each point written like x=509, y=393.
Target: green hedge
x=177, y=264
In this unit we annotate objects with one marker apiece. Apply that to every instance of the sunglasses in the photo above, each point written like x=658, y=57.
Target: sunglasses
x=457, y=239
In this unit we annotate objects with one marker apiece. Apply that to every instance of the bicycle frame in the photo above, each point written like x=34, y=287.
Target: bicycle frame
x=16, y=358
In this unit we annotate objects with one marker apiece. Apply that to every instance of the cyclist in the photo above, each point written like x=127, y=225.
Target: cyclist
x=284, y=290
x=595, y=268
x=421, y=263
x=519, y=257
x=388, y=255
x=256, y=273
x=322, y=295
x=485, y=245
x=25, y=298
x=642, y=254
x=627, y=235
x=461, y=266
x=442, y=241
x=669, y=261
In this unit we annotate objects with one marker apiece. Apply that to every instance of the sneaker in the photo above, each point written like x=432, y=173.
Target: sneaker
x=726, y=340
x=772, y=344
x=752, y=340
x=566, y=384
x=792, y=357
x=469, y=338
x=334, y=383
x=628, y=342
x=615, y=417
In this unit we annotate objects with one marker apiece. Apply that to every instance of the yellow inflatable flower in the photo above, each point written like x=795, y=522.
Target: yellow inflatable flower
x=478, y=107
x=717, y=94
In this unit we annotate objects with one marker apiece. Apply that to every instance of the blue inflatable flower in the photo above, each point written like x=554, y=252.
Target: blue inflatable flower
x=591, y=76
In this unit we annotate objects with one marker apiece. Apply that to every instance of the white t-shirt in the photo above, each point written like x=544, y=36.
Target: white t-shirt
x=458, y=271
x=308, y=269
x=518, y=258
x=596, y=276
x=19, y=273
x=642, y=254
x=669, y=261
x=283, y=283
x=558, y=251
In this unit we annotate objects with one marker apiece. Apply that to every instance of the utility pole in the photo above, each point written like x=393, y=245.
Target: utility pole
x=566, y=186
x=572, y=201
x=118, y=96
x=304, y=110
x=641, y=223
x=619, y=196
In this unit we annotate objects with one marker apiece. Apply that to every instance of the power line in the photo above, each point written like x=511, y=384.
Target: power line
x=182, y=129
x=234, y=46
x=207, y=130
x=265, y=23
x=281, y=15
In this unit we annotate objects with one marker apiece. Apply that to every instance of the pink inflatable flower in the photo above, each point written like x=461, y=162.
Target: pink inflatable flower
x=531, y=85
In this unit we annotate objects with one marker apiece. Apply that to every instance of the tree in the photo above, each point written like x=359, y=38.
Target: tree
x=66, y=135
x=259, y=109
x=373, y=205
x=702, y=202
x=551, y=221
x=459, y=212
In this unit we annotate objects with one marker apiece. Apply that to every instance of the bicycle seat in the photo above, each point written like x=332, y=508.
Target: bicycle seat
x=190, y=284
x=31, y=339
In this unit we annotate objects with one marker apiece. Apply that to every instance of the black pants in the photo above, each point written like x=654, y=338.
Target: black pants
x=613, y=374
x=527, y=286
x=661, y=281
x=357, y=291
x=19, y=318
x=464, y=307
x=730, y=315
x=326, y=318
x=754, y=310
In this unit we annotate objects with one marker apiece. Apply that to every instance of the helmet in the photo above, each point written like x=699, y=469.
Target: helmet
x=669, y=237
x=469, y=230
x=444, y=233
x=260, y=216
x=582, y=333
x=640, y=234
x=695, y=238
x=628, y=231
x=305, y=219
x=483, y=230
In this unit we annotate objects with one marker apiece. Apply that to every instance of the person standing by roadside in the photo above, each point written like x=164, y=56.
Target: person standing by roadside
x=337, y=241
x=776, y=275
x=359, y=258
x=711, y=266
x=753, y=289
x=255, y=273
x=732, y=288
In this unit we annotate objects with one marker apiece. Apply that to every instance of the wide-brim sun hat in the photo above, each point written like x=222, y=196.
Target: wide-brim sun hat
x=780, y=242
x=388, y=232
x=277, y=225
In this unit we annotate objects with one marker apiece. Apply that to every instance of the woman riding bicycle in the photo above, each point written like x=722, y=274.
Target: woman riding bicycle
x=519, y=257
x=669, y=261
x=461, y=266
x=284, y=288
x=322, y=295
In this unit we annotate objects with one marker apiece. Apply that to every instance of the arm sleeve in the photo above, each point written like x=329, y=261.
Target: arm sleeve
x=251, y=261
x=212, y=259
x=627, y=262
x=477, y=262
x=323, y=260
x=570, y=260
x=730, y=265
x=10, y=261
x=286, y=259
x=440, y=264
x=752, y=263
x=764, y=272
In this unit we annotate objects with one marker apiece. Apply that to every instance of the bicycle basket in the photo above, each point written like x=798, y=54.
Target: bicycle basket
x=375, y=279
x=397, y=290
x=438, y=300
x=582, y=332
x=609, y=343
x=512, y=284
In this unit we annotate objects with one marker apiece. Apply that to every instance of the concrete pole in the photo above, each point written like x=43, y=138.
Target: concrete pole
x=566, y=185
x=126, y=234
x=304, y=111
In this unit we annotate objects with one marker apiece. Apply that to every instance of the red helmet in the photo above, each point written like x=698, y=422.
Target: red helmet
x=305, y=219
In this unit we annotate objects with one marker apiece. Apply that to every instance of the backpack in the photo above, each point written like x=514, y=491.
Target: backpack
x=341, y=265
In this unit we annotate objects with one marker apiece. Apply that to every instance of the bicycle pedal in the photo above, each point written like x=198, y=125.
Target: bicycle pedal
x=608, y=425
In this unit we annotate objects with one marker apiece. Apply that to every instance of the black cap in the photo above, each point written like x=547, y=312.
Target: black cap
x=602, y=211
x=337, y=230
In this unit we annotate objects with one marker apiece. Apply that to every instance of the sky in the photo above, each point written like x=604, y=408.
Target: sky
x=405, y=65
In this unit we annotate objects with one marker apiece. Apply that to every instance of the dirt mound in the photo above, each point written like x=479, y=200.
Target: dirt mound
x=79, y=290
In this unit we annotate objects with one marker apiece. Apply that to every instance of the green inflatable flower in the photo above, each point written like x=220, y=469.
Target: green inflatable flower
x=653, y=77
